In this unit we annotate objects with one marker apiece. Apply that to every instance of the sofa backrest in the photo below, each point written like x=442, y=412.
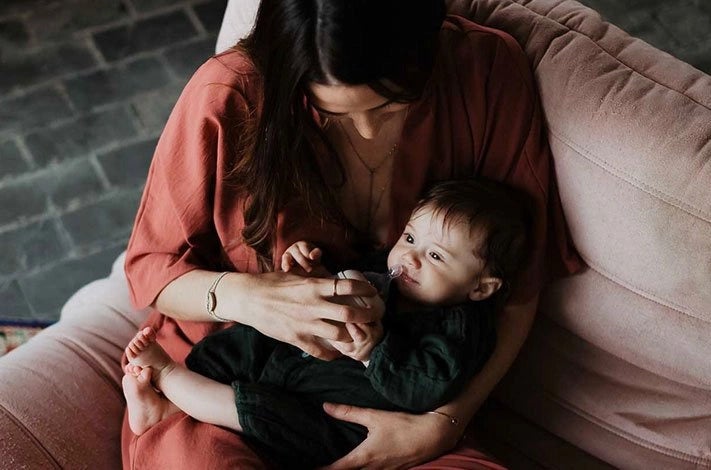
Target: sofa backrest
x=630, y=131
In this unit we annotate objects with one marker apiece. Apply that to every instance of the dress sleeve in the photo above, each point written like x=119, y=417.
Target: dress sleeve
x=425, y=358
x=513, y=148
x=174, y=231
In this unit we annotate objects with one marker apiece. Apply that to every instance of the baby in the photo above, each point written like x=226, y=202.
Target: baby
x=457, y=259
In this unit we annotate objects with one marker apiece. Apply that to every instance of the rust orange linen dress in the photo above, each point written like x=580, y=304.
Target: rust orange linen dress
x=479, y=116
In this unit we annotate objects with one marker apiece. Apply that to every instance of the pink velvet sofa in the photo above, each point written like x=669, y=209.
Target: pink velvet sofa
x=617, y=370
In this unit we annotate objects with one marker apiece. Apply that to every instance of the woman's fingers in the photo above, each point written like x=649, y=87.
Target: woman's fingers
x=346, y=287
x=350, y=413
x=356, y=332
x=333, y=331
x=345, y=313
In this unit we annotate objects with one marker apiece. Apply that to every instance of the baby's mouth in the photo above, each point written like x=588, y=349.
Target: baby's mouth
x=407, y=279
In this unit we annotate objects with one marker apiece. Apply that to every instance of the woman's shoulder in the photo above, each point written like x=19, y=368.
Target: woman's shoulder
x=458, y=29
x=226, y=80
x=469, y=42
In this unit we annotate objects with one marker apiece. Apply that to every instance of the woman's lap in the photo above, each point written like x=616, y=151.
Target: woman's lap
x=181, y=442
x=466, y=456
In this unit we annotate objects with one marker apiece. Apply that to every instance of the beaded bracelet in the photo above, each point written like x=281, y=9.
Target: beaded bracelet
x=452, y=419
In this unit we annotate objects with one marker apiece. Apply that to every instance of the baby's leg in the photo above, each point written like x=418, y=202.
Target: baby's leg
x=202, y=398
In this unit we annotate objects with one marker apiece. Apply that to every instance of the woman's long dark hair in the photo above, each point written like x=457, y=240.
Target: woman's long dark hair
x=390, y=45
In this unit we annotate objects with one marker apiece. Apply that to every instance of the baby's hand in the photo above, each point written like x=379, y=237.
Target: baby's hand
x=365, y=337
x=302, y=256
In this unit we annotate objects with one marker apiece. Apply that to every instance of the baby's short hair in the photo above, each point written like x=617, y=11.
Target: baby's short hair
x=501, y=211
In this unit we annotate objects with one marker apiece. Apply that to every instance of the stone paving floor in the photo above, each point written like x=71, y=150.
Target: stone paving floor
x=85, y=88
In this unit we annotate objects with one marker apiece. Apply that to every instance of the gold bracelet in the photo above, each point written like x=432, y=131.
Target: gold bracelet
x=452, y=419
x=211, y=301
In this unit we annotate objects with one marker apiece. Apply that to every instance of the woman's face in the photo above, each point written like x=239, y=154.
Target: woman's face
x=367, y=111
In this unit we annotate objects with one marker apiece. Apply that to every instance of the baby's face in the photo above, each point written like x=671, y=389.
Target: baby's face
x=439, y=262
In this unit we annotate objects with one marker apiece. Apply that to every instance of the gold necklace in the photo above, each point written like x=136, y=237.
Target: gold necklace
x=372, y=211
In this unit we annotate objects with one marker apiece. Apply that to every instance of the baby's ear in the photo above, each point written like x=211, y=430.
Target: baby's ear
x=486, y=288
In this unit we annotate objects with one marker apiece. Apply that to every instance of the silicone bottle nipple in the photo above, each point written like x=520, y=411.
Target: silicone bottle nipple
x=395, y=271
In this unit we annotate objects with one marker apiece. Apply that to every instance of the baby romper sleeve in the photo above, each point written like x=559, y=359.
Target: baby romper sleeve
x=425, y=358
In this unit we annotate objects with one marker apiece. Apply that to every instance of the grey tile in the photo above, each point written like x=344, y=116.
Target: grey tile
x=698, y=57
x=153, y=109
x=210, y=14
x=39, y=107
x=13, y=33
x=13, y=305
x=145, y=35
x=81, y=136
x=107, y=221
x=19, y=69
x=150, y=5
x=617, y=8
x=48, y=290
x=186, y=58
x=30, y=246
x=688, y=24
x=11, y=161
x=643, y=24
x=61, y=20
x=72, y=182
x=19, y=200
x=128, y=166
x=704, y=5
x=8, y=7
x=117, y=84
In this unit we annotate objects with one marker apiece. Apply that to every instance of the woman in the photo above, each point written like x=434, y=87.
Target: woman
x=326, y=124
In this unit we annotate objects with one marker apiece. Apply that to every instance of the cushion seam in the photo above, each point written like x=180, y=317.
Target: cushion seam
x=626, y=435
x=599, y=46
x=38, y=444
x=628, y=178
x=641, y=292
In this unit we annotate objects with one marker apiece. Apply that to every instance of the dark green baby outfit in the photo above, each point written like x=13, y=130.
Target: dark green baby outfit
x=422, y=362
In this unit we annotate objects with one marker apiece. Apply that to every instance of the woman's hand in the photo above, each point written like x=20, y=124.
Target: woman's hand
x=297, y=310
x=395, y=440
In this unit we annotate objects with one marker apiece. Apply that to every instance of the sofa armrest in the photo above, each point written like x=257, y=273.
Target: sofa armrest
x=61, y=404
x=236, y=23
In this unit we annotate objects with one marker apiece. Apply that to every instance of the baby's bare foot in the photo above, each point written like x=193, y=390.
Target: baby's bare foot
x=145, y=406
x=143, y=351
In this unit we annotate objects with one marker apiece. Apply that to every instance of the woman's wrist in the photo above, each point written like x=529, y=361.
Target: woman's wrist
x=185, y=298
x=461, y=409
x=230, y=297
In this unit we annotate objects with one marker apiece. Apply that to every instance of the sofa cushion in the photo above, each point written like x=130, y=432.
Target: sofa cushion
x=623, y=414
x=61, y=404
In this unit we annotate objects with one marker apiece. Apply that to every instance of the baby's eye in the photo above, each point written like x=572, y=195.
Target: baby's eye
x=409, y=238
x=435, y=256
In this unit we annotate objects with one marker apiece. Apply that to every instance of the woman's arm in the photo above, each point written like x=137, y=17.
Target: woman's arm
x=400, y=440
x=284, y=306
x=514, y=324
